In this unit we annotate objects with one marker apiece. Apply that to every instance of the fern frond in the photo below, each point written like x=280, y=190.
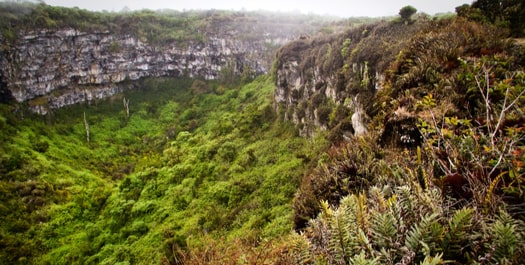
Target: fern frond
x=339, y=243
x=458, y=235
x=405, y=198
x=364, y=242
x=362, y=212
x=343, y=229
x=422, y=176
x=425, y=235
x=301, y=254
x=326, y=211
x=430, y=260
x=384, y=229
x=377, y=195
x=507, y=242
x=361, y=259
x=490, y=191
x=436, y=236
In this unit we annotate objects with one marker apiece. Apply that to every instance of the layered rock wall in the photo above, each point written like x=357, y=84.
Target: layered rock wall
x=52, y=69
x=331, y=82
x=316, y=89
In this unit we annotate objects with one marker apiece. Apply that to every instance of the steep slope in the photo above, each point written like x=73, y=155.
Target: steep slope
x=381, y=73
x=330, y=82
x=57, y=61
x=182, y=166
x=424, y=118
x=443, y=154
x=69, y=66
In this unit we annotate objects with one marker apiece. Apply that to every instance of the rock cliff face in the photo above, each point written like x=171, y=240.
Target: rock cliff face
x=52, y=69
x=330, y=82
x=317, y=90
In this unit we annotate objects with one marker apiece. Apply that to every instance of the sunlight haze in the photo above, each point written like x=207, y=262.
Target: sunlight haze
x=342, y=8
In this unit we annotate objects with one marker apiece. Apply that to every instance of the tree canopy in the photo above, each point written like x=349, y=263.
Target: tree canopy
x=407, y=12
x=506, y=13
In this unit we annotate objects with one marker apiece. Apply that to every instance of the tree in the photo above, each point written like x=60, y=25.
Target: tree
x=491, y=9
x=470, y=13
x=506, y=13
x=407, y=12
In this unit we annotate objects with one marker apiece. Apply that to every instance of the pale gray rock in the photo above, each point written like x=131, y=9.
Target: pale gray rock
x=52, y=69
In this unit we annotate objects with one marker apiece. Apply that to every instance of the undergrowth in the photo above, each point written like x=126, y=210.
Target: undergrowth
x=202, y=173
x=182, y=169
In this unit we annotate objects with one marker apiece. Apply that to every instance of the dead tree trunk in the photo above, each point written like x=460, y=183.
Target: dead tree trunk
x=126, y=106
x=86, y=125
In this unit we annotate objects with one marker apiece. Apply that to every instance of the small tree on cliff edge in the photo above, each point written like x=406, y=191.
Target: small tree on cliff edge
x=406, y=13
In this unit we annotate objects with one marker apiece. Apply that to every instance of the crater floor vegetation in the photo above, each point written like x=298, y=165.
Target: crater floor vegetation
x=183, y=166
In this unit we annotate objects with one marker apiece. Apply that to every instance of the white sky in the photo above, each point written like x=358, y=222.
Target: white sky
x=343, y=8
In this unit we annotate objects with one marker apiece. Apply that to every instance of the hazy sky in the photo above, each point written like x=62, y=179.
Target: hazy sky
x=343, y=8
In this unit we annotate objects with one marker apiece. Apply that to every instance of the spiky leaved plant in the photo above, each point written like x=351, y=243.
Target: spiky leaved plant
x=408, y=225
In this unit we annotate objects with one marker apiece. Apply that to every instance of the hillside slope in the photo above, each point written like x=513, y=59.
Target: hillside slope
x=438, y=174
x=395, y=142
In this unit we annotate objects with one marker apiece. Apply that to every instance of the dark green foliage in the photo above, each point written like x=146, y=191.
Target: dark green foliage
x=41, y=146
x=471, y=13
x=199, y=87
x=508, y=14
x=449, y=201
x=406, y=12
x=352, y=168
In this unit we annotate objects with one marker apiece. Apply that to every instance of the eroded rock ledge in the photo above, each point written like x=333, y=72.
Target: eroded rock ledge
x=52, y=69
x=330, y=82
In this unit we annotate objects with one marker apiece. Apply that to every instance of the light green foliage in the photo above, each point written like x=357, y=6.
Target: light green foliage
x=346, y=48
x=183, y=164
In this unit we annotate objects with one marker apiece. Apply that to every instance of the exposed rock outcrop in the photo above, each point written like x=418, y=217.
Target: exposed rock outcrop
x=51, y=69
x=318, y=90
x=330, y=82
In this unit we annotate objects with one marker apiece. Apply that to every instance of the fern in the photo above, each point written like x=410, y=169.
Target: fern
x=406, y=199
x=361, y=259
x=342, y=224
x=507, y=242
x=384, y=229
x=458, y=235
x=410, y=226
x=362, y=212
x=300, y=250
x=340, y=242
x=364, y=242
x=430, y=260
x=424, y=236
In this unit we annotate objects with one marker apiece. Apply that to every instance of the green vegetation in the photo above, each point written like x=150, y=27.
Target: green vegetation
x=439, y=176
x=163, y=26
x=407, y=12
x=187, y=163
x=184, y=171
x=389, y=224
x=508, y=14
